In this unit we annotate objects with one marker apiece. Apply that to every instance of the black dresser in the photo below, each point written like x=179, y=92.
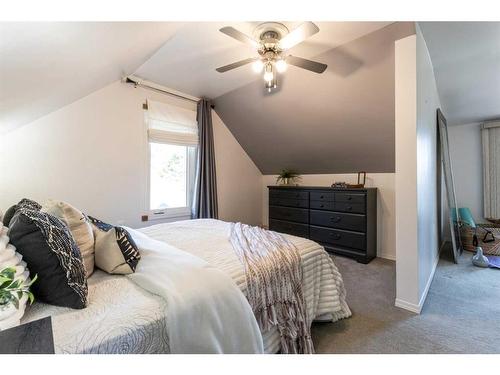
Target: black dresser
x=344, y=221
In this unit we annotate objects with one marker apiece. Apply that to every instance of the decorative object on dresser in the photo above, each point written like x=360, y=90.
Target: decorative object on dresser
x=287, y=177
x=342, y=220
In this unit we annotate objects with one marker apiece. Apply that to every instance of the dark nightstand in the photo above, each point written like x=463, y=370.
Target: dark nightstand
x=30, y=338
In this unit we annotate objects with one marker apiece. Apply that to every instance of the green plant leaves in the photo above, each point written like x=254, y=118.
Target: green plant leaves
x=12, y=289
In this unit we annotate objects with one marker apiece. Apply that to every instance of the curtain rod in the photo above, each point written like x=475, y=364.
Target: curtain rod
x=137, y=83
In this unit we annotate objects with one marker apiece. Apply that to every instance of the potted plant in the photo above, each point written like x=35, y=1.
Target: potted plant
x=287, y=177
x=14, y=292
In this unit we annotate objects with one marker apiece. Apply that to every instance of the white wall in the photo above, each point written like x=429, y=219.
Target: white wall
x=427, y=163
x=466, y=157
x=92, y=153
x=406, y=173
x=417, y=247
x=385, y=203
x=239, y=182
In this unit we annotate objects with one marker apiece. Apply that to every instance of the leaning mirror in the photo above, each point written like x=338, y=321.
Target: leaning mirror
x=452, y=213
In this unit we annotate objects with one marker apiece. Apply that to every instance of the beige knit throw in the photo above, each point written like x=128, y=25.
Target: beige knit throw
x=274, y=284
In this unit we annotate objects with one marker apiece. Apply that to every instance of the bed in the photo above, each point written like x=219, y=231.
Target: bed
x=122, y=317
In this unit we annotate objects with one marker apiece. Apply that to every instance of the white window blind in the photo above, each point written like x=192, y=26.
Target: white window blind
x=172, y=125
x=491, y=169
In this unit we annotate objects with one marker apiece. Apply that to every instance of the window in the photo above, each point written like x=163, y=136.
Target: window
x=173, y=140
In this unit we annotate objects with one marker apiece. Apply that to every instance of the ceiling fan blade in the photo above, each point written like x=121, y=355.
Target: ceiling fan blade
x=313, y=66
x=298, y=35
x=238, y=35
x=235, y=65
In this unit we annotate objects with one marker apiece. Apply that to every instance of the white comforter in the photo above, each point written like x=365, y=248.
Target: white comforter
x=208, y=239
x=123, y=317
x=206, y=312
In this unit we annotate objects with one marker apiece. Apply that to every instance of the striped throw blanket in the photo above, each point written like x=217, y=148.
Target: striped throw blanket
x=274, y=284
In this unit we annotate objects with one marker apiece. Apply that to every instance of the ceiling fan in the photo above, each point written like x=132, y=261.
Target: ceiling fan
x=272, y=40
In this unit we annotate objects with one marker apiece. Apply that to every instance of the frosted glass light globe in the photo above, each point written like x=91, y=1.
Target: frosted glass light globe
x=281, y=66
x=257, y=66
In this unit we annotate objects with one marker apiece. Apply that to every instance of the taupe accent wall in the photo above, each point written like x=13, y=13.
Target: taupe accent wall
x=341, y=121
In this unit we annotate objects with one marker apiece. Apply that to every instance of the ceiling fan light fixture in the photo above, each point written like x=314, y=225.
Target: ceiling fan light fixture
x=257, y=66
x=281, y=66
x=271, y=40
x=269, y=75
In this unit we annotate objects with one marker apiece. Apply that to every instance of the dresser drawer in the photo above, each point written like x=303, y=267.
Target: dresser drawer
x=288, y=194
x=338, y=220
x=321, y=196
x=298, y=215
x=349, y=207
x=295, y=229
x=350, y=197
x=338, y=237
x=322, y=205
x=290, y=202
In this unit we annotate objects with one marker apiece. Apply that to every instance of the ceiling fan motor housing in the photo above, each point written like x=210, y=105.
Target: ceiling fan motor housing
x=272, y=40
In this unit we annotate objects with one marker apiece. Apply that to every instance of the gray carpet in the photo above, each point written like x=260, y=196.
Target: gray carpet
x=461, y=313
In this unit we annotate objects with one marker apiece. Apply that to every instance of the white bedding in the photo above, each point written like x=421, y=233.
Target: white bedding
x=208, y=239
x=206, y=312
x=122, y=317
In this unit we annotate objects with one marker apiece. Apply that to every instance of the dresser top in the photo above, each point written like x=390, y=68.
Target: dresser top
x=292, y=187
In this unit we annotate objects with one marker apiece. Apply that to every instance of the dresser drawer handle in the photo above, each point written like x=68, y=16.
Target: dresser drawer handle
x=349, y=198
x=348, y=208
x=335, y=219
x=321, y=205
x=335, y=236
x=321, y=197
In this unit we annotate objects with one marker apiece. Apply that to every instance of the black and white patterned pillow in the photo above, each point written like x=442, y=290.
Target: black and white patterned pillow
x=115, y=249
x=50, y=251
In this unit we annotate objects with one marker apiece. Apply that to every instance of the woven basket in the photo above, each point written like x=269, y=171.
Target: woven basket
x=486, y=235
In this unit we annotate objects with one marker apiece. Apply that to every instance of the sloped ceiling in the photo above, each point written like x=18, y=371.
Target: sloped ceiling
x=45, y=66
x=340, y=121
x=466, y=60
x=187, y=62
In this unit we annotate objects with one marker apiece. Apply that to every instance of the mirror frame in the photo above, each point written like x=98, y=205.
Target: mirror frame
x=446, y=164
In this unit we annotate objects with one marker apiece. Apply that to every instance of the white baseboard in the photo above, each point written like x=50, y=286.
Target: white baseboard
x=414, y=307
x=429, y=281
x=408, y=306
x=385, y=255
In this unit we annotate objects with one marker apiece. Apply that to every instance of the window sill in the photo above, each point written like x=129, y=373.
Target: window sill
x=182, y=214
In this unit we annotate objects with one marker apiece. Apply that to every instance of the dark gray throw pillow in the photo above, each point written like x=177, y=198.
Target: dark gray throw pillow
x=7, y=217
x=50, y=251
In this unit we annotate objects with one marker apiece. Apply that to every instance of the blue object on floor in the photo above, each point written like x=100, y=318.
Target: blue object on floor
x=494, y=261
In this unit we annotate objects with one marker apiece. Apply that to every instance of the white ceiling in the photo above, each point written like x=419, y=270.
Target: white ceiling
x=45, y=66
x=188, y=61
x=466, y=60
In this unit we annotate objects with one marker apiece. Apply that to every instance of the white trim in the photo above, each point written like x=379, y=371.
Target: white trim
x=408, y=306
x=171, y=213
x=387, y=255
x=174, y=212
x=429, y=282
x=418, y=308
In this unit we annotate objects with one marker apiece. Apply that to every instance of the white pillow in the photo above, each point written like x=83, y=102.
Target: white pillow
x=80, y=229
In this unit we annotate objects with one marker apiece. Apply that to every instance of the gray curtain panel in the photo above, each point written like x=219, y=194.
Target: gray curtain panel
x=205, y=192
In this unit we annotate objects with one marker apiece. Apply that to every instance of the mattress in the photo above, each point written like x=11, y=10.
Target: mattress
x=123, y=318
